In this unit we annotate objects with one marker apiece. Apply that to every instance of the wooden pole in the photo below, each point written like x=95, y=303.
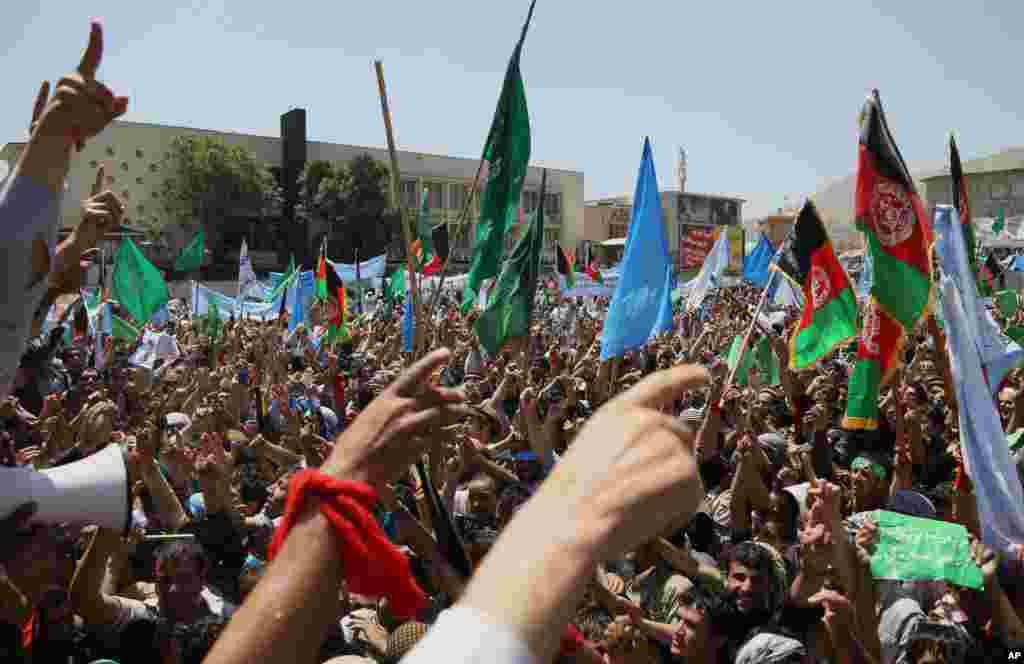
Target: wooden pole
x=395, y=179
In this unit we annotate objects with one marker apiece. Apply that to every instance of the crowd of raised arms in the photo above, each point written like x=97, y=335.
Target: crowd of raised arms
x=347, y=503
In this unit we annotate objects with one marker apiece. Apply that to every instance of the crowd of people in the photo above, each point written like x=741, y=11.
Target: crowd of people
x=541, y=505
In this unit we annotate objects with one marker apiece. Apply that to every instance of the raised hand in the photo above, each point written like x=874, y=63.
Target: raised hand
x=81, y=106
x=390, y=434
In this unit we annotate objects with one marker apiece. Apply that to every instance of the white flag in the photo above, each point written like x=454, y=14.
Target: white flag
x=246, y=276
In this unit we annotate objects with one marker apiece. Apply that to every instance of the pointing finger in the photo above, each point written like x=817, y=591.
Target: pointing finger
x=93, y=52
x=41, y=99
x=98, y=186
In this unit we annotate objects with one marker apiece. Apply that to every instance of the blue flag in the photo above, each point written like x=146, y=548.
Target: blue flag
x=755, y=266
x=867, y=277
x=644, y=290
x=407, y=324
x=998, y=353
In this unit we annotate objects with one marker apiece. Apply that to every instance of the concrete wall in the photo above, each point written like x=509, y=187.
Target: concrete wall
x=132, y=153
x=988, y=192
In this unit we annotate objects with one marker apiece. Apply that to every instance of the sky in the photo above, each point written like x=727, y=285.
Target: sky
x=763, y=96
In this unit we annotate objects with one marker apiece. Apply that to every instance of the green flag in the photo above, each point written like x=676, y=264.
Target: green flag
x=510, y=304
x=507, y=152
x=396, y=284
x=191, y=257
x=744, y=363
x=286, y=281
x=1007, y=302
x=122, y=329
x=1016, y=333
x=138, y=285
x=767, y=363
x=914, y=549
x=1000, y=223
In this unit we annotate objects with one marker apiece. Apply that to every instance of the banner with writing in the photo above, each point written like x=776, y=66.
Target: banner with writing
x=695, y=244
x=914, y=549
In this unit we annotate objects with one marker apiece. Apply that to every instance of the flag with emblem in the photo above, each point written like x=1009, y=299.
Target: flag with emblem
x=830, y=306
x=899, y=237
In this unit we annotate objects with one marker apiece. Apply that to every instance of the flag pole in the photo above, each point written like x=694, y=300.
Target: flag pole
x=760, y=304
x=395, y=174
x=461, y=225
x=750, y=331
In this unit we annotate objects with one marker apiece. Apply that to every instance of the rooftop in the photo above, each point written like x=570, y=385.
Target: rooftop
x=1010, y=159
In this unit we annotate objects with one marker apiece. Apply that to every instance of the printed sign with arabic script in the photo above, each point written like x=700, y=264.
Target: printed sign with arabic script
x=913, y=549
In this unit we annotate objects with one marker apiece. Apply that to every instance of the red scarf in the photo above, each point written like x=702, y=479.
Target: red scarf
x=372, y=564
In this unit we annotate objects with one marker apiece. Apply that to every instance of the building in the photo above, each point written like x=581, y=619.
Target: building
x=994, y=183
x=133, y=152
x=608, y=218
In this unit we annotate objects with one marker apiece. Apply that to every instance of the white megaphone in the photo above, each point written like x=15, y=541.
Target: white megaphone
x=91, y=491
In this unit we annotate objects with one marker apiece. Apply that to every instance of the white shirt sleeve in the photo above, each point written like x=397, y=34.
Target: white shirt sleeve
x=466, y=636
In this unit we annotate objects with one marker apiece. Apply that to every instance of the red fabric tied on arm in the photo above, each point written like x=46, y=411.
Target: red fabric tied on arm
x=372, y=565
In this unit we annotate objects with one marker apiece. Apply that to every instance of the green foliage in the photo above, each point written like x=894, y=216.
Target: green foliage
x=342, y=192
x=324, y=190
x=204, y=179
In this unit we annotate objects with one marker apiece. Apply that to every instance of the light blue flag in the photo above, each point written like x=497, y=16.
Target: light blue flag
x=867, y=277
x=106, y=318
x=160, y=317
x=998, y=353
x=408, y=323
x=997, y=488
x=755, y=266
x=710, y=275
x=298, y=313
x=643, y=291
x=368, y=269
x=203, y=297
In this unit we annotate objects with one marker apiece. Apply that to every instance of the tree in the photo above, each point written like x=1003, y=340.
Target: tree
x=324, y=190
x=367, y=222
x=206, y=180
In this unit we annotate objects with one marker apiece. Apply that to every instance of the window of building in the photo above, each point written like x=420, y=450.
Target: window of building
x=457, y=194
x=139, y=153
x=435, y=195
x=408, y=196
x=530, y=200
x=552, y=204
x=110, y=150
x=551, y=236
x=1017, y=184
x=138, y=180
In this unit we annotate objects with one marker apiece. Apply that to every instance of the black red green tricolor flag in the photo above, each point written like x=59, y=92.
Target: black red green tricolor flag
x=830, y=306
x=899, y=238
x=331, y=287
x=962, y=204
x=566, y=268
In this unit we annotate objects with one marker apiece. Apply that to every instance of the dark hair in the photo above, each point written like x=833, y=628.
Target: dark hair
x=195, y=640
x=252, y=490
x=752, y=555
x=717, y=607
x=190, y=548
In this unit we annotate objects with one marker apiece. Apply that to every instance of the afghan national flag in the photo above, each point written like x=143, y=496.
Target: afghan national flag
x=962, y=205
x=892, y=217
x=333, y=290
x=988, y=274
x=441, y=248
x=507, y=153
x=830, y=306
x=566, y=268
x=594, y=273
